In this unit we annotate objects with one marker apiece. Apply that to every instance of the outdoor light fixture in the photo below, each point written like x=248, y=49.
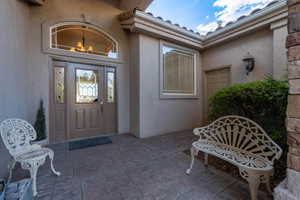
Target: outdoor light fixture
x=249, y=63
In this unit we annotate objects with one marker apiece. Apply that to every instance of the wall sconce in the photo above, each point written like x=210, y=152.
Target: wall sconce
x=249, y=63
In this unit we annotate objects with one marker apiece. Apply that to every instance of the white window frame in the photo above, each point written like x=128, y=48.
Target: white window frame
x=166, y=95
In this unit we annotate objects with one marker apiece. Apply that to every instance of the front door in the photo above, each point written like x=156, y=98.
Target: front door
x=86, y=100
x=87, y=106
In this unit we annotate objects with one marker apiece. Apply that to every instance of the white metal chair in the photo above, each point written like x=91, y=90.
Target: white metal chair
x=17, y=136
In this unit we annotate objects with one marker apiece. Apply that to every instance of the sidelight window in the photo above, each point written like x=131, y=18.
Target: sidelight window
x=110, y=76
x=59, y=84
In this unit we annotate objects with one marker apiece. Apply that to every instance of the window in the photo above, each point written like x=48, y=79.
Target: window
x=86, y=86
x=110, y=76
x=59, y=84
x=82, y=39
x=178, y=72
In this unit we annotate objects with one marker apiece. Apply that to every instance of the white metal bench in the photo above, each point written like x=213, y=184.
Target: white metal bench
x=243, y=143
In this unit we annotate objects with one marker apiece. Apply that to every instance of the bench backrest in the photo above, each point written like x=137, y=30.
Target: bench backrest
x=241, y=133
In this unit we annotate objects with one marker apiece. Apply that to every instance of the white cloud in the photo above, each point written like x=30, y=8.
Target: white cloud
x=204, y=28
x=231, y=10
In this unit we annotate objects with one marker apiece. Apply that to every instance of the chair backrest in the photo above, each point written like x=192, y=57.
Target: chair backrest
x=243, y=134
x=17, y=135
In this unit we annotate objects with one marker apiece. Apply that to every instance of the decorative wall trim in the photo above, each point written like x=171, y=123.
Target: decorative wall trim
x=279, y=24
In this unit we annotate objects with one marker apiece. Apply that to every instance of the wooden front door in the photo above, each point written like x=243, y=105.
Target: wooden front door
x=86, y=100
x=84, y=106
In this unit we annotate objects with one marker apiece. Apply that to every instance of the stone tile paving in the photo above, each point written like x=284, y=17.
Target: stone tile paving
x=135, y=169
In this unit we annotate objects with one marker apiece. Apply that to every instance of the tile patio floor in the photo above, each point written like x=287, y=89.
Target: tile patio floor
x=135, y=169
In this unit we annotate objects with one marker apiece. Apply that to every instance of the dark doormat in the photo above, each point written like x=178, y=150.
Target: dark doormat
x=81, y=144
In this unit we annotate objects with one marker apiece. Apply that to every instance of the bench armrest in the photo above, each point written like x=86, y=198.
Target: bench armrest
x=202, y=132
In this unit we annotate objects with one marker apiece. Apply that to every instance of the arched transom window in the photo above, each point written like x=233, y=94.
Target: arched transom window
x=83, y=39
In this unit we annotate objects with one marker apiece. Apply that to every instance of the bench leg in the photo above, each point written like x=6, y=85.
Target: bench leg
x=266, y=180
x=194, y=153
x=269, y=185
x=254, y=183
x=206, y=159
x=254, y=179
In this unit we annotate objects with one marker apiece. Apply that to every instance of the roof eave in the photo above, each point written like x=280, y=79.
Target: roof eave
x=132, y=4
x=248, y=24
x=141, y=22
x=138, y=21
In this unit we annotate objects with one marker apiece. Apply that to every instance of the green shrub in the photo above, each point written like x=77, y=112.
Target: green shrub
x=40, y=123
x=265, y=102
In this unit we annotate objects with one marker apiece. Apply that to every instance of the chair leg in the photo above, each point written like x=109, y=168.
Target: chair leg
x=11, y=168
x=33, y=166
x=254, y=183
x=33, y=173
x=194, y=153
x=51, y=156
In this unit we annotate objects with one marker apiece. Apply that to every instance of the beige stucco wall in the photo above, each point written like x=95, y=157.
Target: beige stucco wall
x=158, y=116
x=267, y=47
x=101, y=13
x=259, y=44
x=280, y=52
x=134, y=84
x=14, y=22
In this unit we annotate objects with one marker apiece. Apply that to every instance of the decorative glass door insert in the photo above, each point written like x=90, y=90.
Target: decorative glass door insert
x=86, y=86
x=59, y=84
x=110, y=87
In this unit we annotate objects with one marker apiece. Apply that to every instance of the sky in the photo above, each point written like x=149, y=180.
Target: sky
x=204, y=15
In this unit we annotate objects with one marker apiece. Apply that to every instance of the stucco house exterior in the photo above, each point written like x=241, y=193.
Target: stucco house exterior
x=103, y=66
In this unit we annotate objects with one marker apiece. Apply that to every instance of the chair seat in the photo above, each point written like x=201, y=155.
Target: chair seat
x=234, y=155
x=34, y=155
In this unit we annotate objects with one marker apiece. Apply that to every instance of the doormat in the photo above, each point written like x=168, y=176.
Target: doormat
x=81, y=144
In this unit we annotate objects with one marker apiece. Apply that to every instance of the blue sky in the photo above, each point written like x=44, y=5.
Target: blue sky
x=203, y=15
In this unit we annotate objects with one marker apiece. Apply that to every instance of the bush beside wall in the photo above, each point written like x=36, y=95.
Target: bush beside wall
x=40, y=123
x=265, y=102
